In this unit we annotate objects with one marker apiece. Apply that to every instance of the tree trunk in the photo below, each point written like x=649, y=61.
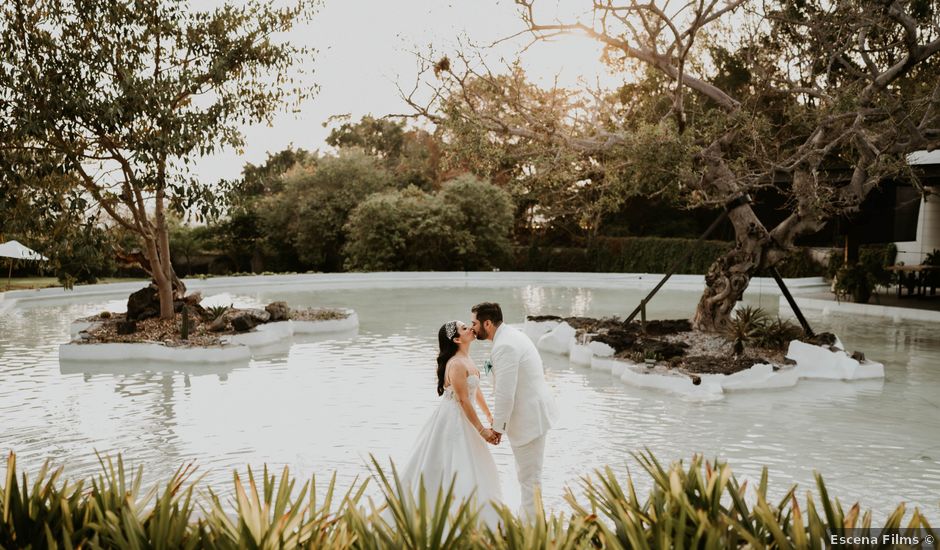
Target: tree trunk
x=169, y=285
x=756, y=249
x=725, y=283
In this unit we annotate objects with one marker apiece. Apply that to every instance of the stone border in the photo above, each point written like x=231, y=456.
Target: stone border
x=144, y=351
x=897, y=314
x=417, y=279
x=812, y=362
x=235, y=348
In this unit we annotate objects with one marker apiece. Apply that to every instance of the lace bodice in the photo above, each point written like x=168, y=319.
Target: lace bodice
x=473, y=382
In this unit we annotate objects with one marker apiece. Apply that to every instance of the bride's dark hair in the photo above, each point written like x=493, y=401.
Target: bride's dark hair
x=448, y=348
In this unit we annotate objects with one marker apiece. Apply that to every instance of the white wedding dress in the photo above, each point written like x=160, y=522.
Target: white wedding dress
x=448, y=445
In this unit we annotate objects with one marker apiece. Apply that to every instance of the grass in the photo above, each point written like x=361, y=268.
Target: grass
x=28, y=283
x=695, y=505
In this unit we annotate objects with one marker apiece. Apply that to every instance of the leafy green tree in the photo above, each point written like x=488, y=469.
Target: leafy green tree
x=733, y=98
x=484, y=212
x=465, y=226
x=50, y=217
x=85, y=256
x=240, y=233
x=187, y=242
x=122, y=96
x=308, y=215
x=411, y=155
x=381, y=230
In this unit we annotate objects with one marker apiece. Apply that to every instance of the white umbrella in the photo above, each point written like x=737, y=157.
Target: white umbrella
x=16, y=251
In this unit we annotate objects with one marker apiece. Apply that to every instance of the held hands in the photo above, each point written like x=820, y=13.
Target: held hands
x=491, y=436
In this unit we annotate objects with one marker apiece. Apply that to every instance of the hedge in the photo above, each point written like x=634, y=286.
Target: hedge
x=645, y=255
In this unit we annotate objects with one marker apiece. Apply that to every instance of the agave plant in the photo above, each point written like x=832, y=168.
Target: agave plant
x=214, y=312
x=745, y=327
x=45, y=514
x=778, y=333
x=704, y=506
x=127, y=518
x=419, y=520
x=557, y=531
x=698, y=506
x=275, y=518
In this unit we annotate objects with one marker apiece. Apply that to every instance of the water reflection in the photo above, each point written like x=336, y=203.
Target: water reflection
x=325, y=404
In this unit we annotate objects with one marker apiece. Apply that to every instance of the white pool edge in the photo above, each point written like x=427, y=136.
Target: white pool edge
x=832, y=307
x=233, y=348
x=417, y=279
x=811, y=362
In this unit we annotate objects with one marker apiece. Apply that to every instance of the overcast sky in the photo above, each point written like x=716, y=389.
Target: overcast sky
x=365, y=47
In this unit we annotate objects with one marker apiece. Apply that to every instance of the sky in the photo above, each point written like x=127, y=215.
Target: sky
x=366, y=46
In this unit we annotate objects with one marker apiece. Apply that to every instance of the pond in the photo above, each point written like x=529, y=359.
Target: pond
x=324, y=406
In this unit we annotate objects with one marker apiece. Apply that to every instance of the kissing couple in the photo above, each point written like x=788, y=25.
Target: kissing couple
x=453, y=443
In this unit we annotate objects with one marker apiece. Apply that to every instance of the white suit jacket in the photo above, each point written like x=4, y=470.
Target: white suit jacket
x=524, y=407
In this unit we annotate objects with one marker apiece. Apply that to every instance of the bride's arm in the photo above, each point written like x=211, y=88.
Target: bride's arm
x=462, y=393
x=481, y=401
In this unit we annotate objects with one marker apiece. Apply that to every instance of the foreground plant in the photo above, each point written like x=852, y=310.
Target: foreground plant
x=698, y=506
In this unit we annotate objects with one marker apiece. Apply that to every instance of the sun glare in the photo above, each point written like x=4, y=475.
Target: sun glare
x=573, y=59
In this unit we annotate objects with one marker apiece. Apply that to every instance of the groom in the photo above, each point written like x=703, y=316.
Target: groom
x=524, y=408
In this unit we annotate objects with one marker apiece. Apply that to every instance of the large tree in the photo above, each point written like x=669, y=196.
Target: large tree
x=123, y=96
x=411, y=155
x=758, y=94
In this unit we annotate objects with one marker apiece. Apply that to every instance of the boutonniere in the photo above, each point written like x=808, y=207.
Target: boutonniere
x=487, y=367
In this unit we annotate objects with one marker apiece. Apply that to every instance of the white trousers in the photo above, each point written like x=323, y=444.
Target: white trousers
x=529, y=458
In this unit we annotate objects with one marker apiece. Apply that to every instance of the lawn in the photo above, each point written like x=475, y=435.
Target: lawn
x=25, y=283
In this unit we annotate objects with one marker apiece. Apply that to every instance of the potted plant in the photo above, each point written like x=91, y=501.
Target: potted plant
x=857, y=281
x=650, y=357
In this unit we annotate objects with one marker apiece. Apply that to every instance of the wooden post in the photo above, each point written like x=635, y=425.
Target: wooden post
x=643, y=316
x=184, y=330
x=729, y=206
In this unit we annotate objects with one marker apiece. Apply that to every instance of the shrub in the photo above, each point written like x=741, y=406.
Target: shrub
x=875, y=257
x=654, y=254
x=308, y=215
x=463, y=227
x=746, y=326
x=701, y=505
x=778, y=334
x=800, y=263
x=214, y=312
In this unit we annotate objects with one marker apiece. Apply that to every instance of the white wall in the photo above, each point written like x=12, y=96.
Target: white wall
x=928, y=234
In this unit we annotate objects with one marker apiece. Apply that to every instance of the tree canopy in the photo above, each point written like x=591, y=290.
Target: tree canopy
x=121, y=97
x=820, y=100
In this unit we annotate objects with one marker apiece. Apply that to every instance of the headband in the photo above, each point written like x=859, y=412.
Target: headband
x=450, y=327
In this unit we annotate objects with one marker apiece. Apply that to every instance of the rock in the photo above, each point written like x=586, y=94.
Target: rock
x=821, y=339
x=696, y=380
x=858, y=356
x=538, y=318
x=667, y=326
x=279, y=311
x=619, y=339
x=143, y=304
x=126, y=327
x=219, y=325
x=243, y=322
x=194, y=309
x=600, y=349
x=557, y=341
x=665, y=350
x=259, y=316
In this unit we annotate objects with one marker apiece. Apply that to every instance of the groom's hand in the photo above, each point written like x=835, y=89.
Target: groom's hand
x=498, y=436
x=490, y=436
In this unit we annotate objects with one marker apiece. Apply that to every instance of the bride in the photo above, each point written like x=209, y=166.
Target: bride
x=452, y=441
